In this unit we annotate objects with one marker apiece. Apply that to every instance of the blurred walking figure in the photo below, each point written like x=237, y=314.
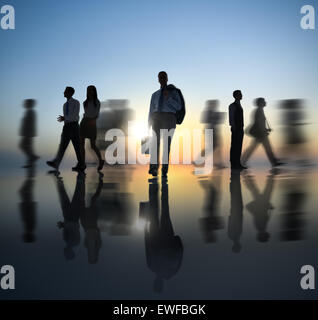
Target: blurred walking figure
x=70, y=131
x=260, y=130
x=88, y=129
x=166, y=110
x=294, y=133
x=236, y=119
x=213, y=119
x=28, y=132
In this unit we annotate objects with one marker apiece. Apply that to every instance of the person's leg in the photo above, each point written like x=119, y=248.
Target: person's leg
x=248, y=152
x=75, y=137
x=95, y=149
x=82, y=144
x=155, y=146
x=233, y=148
x=240, y=144
x=169, y=123
x=65, y=140
x=269, y=151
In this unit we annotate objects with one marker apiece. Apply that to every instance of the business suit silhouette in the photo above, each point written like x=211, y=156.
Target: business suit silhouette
x=236, y=119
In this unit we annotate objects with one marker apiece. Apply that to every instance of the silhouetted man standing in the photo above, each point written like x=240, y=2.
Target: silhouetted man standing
x=164, y=105
x=237, y=125
x=70, y=131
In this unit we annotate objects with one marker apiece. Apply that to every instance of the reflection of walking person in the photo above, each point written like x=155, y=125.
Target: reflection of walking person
x=72, y=211
x=28, y=132
x=88, y=124
x=70, y=130
x=260, y=207
x=89, y=218
x=236, y=118
x=260, y=130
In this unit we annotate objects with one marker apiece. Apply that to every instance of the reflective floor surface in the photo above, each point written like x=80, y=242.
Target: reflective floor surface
x=121, y=235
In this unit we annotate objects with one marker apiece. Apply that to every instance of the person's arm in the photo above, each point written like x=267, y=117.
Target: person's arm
x=232, y=110
x=61, y=118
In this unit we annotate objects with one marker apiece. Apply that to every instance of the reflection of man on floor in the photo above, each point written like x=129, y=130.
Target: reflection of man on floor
x=235, y=224
x=164, y=250
x=71, y=213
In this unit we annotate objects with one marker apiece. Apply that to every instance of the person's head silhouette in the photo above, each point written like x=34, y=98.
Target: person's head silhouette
x=69, y=92
x=212, y=104
x=260, y=102
x=237, y=95
x=29, y=103
x=91, y=93
x=163, y=78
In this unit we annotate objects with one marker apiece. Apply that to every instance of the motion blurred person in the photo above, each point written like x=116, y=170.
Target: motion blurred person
x=28, y=132
x=213, y=119
x=162, y=115
x=236, y=119
x=260, y=131
x=70, y=131
x=88, y=129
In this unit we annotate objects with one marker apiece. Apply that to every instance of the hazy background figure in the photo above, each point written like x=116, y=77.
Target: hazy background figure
x=72, y=211
x=213, y=118
x=89, y=221
x=114, y=113
x=88, y=128
x=28, y=131
x=212, y=219
x=164, y=250
x=294, y=119
x=260, y=207
x=28, y=206
x=235, y=223
x=260, y=131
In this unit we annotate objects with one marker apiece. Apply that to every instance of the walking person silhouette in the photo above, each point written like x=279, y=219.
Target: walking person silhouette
x=28, y=132
x=236, y=119
x=88, y=129
x=260, y=130
x=70, y=131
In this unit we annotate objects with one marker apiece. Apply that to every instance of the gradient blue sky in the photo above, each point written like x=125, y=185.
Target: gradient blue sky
x=208, y=47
